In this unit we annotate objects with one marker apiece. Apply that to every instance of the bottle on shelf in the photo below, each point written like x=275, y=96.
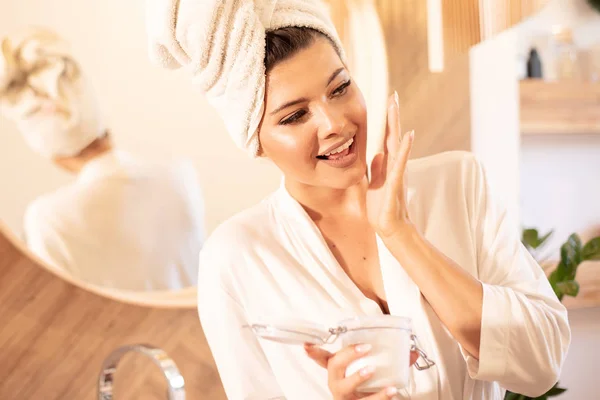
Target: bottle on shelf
x=565, y=54
x=534, y=65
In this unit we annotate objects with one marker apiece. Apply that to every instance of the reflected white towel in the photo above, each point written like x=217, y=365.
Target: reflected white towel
x=222, y=43
x=37, y=72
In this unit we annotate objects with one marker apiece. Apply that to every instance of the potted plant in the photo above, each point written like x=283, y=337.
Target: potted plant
x=562, y=279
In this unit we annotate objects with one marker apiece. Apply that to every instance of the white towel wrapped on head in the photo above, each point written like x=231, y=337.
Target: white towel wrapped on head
x=222, y=43
x=43, y=91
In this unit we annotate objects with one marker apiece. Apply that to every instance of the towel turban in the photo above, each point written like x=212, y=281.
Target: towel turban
x=37, y=71
x=222, y=43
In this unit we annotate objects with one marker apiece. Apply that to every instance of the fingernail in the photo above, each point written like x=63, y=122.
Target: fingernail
x=391, y=391
x=367, y=370
x=412, y=135
x=397, y=99
x=363, y=348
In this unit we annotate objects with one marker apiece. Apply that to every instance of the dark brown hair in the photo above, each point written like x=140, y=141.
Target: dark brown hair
x=283, y=43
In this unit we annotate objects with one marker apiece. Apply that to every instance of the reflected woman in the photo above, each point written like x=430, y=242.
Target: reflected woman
x=423, y=238
x=123, y=223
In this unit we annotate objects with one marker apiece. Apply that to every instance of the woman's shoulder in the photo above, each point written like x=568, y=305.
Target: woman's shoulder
x=449, y=175
x=240, y=233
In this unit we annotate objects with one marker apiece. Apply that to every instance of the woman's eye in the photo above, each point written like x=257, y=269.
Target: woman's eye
x=342, y=88
x=295, y=117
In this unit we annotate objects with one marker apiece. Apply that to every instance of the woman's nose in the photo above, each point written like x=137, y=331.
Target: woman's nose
x=332, y=122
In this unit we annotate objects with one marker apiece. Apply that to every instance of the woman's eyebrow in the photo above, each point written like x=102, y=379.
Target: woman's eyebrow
x=303, y=99
x=333, y=76
x=289, y=104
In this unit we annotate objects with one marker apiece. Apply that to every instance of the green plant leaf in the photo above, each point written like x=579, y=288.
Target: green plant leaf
x=545, y=237
x=557, y=276
x=514, y=396
x=555, y=391
x=591, y=250
x=510, y=395
x=570, y=288
x=570, y=254
x=532, y=240
x=595, y=4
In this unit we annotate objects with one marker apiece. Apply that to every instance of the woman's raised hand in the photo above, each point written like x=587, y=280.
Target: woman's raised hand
x=386, y=197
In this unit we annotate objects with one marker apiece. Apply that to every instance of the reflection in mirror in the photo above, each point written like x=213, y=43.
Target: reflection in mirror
x=122, y=222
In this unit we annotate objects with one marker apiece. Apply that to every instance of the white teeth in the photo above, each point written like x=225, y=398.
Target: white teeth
x=342, y=147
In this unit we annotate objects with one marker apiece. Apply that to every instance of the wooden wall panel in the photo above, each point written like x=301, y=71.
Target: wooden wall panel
x=462, y=27
x=436, y=105
x=468, y=22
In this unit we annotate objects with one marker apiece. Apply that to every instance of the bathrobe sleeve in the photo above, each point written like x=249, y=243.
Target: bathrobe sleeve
x=242, y=365
x=43, y=239
x=524, y=330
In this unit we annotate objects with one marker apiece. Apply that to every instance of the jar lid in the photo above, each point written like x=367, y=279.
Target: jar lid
x=291, y=331
x=295, y=331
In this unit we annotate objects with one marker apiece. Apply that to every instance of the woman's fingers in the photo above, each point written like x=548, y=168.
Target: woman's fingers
x=349, y=384
x=393, y=128
x=318, y=355
x=346, y=386
x=340, y=361
x=396, y=175
x=414, y=356
x=392, y=132
x=392, y=140
x=385, y=394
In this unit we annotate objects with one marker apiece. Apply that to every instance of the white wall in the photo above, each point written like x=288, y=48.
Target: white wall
x=494, y=133
x=560, y=184
x=152, y=112
x=553, y=180
x=580, y=371
x=559, y=175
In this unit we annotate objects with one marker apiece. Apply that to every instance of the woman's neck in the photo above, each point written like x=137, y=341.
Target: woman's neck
x=326, y=203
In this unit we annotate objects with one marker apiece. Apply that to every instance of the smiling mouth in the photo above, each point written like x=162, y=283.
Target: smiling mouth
x=339, y=152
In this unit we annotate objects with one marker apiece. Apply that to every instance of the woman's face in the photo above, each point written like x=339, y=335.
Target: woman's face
x=315, y=123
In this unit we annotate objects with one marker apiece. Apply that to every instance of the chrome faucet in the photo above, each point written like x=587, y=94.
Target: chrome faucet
x=176, y=390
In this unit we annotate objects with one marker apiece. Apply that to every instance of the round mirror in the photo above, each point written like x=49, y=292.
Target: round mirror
x=115, y=171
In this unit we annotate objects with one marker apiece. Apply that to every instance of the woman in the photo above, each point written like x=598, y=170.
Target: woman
x=420, y=238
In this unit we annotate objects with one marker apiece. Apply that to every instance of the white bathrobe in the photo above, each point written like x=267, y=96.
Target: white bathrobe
x=123, y=223
x=272, y=261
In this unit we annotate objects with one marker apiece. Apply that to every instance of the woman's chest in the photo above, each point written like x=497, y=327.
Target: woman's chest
x=355, y=250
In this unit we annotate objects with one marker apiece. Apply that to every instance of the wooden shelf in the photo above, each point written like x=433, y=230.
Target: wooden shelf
x=559, y=108
x=588, y=276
